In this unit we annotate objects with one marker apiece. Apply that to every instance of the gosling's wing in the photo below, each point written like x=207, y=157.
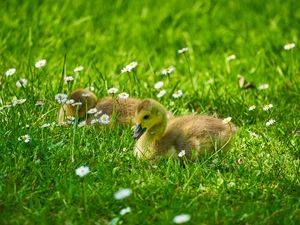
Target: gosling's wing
x=203, y=132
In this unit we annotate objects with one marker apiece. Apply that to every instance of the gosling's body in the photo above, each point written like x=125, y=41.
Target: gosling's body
x=195, y=134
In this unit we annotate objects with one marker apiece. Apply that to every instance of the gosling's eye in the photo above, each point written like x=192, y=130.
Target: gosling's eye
x=146, y=117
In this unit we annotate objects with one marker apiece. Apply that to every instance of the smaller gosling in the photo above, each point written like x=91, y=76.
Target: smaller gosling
x=194, y=134
x=123, y=110
x=87, y=100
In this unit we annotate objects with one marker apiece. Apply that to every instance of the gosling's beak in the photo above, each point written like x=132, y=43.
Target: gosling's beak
x=138, y=131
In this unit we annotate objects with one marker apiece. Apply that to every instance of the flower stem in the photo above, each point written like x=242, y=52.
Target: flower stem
x=84, y=198
x=137, y=83
x=114, y=111
x=74, y=132
x=190, y=73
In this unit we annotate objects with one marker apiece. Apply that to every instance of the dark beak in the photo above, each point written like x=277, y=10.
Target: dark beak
x=138, y=131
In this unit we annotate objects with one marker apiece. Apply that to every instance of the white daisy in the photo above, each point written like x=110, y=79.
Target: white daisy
x=45, y=125
x=82, y=171
x=41, y=63
x=93, y=121
x=71, y=118
x=169, y=70
x=230, y=57
x=183, y=50
x=267, y=107
x=21, y=83
x=181, y=153
x=24, y=138
x=39, y=103
x=270, y=122
x=92, y=111
x=68, y=79
x=61, y=98
x=133, y=64
x=70, y=122
x=177, y=94
x=104, y=119
x=122, y=193
x=164, y=72
x=113, y=90
x=252, y=107
x=14, y=102
x=19, y=101
x=7, y=106
x=252, y=134
x=129, y=67
x=263, y=87
x=78, y=69
x=10, y=72
x=227, y=120
x=26, y=126
x=158, y=85
x=289, y=46
x=124, y=70
x=125, y=211
x=70, y=102
x=123, y=95
x=161, y=93
x=82, y=123
x=182, y=218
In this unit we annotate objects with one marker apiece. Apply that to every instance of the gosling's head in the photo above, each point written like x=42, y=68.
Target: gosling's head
x=87, y=98
x=149, y=113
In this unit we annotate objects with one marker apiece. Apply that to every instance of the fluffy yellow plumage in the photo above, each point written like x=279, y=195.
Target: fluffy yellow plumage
x=194, y=134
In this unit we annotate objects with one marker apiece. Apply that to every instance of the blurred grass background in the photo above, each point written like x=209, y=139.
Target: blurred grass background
x=38, y=183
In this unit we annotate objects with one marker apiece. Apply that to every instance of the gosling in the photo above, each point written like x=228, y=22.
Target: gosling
x=122, y=110
x=194, y=134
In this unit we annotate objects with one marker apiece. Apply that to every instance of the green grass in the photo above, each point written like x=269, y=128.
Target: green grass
x=255, y=182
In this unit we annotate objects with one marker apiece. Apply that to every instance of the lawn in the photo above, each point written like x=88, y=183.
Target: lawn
x=256, y=181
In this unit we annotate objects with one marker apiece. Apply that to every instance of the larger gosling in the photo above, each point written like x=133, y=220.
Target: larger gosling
x=194, y=134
